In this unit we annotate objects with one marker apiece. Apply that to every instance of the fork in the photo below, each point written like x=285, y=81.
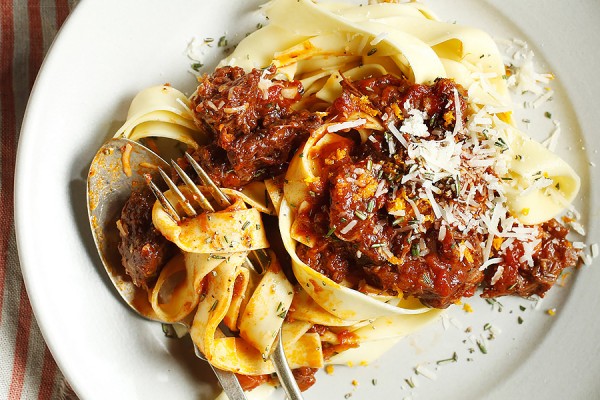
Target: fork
x=282, y=369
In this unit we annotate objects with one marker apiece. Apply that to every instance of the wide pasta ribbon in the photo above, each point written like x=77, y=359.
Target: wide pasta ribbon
x=235, y=229
x=160, y=111
x=239, y=354
x=211, y=276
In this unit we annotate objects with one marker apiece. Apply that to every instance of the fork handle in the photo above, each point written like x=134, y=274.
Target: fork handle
x=284, y=373
x=229, y=383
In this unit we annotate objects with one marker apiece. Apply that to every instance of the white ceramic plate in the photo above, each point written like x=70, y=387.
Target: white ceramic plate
x=108, y=50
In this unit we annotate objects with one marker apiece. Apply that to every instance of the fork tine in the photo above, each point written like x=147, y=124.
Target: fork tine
x=218, y=195
x=263, y=260
x=199, y=197
x=166, y=205
x=183, y=201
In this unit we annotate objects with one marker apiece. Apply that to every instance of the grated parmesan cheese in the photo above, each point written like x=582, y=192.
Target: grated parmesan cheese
x=349, y=226
x=594, y=250
x=347, y=125
x=426, y=372
x=378, y=38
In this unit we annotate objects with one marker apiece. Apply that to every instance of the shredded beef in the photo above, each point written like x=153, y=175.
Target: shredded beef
x=251, y=124
x=518, y=277
x=249, y=382
x=143, y=249
x=305, y=377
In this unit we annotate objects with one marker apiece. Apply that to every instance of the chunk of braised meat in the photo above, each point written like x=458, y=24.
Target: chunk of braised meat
x=142, y=247
x=554, y=255
x=329, y=257
x=249, y=382
x=357, y=195
x=252, y=127
x=305, y=377
x=388, y=95
x=438, y=276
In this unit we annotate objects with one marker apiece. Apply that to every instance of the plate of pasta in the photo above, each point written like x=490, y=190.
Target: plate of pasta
x=416, y=176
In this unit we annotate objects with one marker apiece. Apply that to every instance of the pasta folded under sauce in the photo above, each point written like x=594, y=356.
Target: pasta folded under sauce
x=381, y=138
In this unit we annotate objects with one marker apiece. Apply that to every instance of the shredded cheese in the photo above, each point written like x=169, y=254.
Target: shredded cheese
x=346, y=125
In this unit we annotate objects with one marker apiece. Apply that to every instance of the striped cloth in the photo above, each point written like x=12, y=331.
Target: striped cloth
x=27, y=369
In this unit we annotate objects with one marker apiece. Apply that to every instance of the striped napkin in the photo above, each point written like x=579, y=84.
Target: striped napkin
x=27, y=369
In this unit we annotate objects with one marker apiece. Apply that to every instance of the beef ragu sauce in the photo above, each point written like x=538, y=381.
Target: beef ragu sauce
x=250, y=123
x=360, y=240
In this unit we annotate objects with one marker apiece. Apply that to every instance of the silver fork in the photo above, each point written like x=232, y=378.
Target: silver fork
x=282, y=368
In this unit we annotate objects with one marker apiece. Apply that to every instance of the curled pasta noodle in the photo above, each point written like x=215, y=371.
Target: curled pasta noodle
x=160, y=111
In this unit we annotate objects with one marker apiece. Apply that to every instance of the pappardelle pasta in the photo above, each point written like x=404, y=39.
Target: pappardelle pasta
x=376, y=143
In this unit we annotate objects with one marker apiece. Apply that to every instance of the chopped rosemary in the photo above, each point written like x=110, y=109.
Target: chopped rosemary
x=330, y=232
x=398, y=221
x=494, y=302
x=196, y=66
x=372, y=51
x=452, y=359
x=168, y=331
x=520, y=320
x=501, y=144
x=214, y=305
x=360, y=215
x=245, y=225
x=371, y=205
x=222, y=41
x=548, y=115
x=410, y=383
x=415, y=250
x=482, y=347
x=427, y=279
